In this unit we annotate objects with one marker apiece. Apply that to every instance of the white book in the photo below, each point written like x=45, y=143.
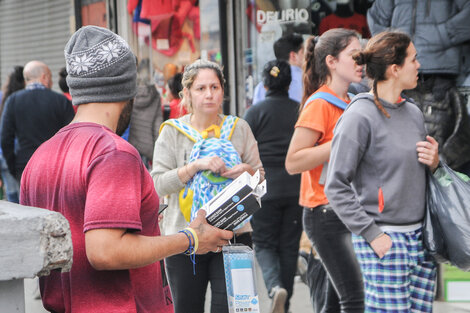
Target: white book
x=236, y=202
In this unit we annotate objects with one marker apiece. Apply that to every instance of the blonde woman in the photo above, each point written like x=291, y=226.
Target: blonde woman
x=203, y=94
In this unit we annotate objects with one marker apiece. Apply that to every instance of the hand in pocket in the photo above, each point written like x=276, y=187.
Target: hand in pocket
x=381, y=245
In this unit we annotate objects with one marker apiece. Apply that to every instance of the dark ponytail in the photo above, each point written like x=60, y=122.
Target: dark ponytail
x=377, y=101
x=382, y=50
x=362, y=58
x=310, y=78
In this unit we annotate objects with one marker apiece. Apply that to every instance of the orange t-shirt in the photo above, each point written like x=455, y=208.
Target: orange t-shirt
x=321, y=116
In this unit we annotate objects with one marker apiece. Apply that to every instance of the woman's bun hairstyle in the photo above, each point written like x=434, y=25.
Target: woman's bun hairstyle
x=383, y=50
x=361, y=58
x=277, y=75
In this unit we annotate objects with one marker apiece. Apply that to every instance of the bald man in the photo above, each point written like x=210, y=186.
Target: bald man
x=32, y=116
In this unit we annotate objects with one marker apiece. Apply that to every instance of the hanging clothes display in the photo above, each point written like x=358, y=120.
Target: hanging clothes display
x=355, y=22
x=166, y=19
x=151, y=8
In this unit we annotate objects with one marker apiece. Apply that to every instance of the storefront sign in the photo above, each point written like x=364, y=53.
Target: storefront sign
x=284, y=16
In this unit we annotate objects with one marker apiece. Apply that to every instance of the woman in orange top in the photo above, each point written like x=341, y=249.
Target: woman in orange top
x=328, y=70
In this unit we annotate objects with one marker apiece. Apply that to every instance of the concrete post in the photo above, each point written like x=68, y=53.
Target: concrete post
x=32, y=243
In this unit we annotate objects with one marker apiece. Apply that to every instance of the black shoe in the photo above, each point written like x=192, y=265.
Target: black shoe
x=302, y=266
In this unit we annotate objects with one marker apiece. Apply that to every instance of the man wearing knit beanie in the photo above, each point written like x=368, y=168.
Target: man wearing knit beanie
x=98, y=182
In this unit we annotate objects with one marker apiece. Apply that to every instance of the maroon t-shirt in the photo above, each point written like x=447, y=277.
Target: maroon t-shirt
x=96, y=180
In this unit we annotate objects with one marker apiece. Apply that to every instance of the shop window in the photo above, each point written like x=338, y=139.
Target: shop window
x=268, y=20
x=167, y=32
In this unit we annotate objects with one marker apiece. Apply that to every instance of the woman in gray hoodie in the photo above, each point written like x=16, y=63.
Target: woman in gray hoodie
x=376, y=179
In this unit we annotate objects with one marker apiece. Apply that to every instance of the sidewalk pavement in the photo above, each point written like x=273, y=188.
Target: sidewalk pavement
x=300, y=302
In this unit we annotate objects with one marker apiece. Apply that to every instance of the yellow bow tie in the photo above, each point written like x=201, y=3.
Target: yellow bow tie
x=212, y=128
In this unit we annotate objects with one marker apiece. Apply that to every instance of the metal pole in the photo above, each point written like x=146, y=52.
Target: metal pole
x=78, y=13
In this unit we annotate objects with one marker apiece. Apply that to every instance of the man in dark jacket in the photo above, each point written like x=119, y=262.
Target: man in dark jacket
x=32, y=116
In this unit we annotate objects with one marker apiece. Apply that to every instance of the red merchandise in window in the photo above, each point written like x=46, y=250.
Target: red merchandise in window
x=152, y=8
x=355, y=22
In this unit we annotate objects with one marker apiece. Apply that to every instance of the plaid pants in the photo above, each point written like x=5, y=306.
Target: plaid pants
x=403, y=280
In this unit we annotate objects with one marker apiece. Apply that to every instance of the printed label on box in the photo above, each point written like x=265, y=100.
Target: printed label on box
x=240, y=281
x=236, y=203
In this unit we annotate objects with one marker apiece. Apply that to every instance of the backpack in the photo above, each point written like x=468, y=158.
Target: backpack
x=205, y=185
x=329, y=98
x=336, y=102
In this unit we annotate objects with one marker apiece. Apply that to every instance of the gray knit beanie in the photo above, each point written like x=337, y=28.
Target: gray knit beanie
x=100, y=65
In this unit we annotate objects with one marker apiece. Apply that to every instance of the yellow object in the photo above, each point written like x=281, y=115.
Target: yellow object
x=186, y=203
x=212, y=128
x=274, y=71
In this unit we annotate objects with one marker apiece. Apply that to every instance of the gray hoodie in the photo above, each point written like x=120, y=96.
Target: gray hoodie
x=373, y=154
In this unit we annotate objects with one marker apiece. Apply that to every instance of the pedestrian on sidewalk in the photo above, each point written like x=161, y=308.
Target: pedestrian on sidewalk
x=31, y=116
x=376, y=179
x=173, y=168
x=175, y=109
x=14, y=82
x=441, y=34
x=63, y=85
x=277, y=226
x=329, y=69
x=147, y=116
x=97, y=180
x=288, y=48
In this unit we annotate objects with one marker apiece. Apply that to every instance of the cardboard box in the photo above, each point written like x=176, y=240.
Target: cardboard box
x=236, y=202
x=240, y=279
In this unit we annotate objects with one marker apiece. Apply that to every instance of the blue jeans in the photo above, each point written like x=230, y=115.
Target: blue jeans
x=11, y=184
x=277, y=227
x=332, y=241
